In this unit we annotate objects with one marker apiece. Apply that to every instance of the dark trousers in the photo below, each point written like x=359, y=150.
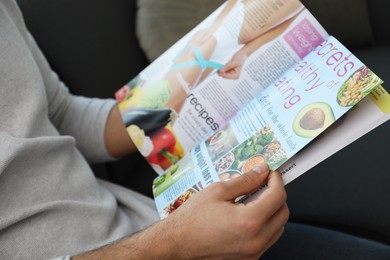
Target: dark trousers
x=301, y=241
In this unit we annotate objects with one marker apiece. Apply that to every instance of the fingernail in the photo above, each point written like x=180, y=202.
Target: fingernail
x=259, y=169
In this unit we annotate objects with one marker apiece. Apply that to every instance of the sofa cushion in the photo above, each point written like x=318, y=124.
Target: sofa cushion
x=161, y=23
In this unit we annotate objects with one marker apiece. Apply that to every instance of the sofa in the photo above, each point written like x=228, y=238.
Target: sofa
x=95, y=48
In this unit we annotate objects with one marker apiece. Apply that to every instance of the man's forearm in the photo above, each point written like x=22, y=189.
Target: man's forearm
x=210, y=225
x=118, y=141
x=156, y=242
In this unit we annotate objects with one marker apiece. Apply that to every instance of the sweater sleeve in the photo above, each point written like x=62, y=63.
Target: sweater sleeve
x=81, y=117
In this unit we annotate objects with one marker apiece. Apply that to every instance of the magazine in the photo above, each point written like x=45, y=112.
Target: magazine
x=251, y=83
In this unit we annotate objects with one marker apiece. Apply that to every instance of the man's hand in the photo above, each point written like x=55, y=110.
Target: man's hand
x=212, y=225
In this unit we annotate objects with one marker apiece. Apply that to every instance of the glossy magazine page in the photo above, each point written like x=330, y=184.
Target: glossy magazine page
x=202, y=81
x=285, y=117
x=371, y=112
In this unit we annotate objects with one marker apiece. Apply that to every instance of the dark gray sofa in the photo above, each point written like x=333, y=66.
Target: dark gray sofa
x=93, y=47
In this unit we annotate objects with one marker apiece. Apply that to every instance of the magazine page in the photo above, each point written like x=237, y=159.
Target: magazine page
x=202, y=81
x=274, y=126
x=371, y=112
x=365, y=116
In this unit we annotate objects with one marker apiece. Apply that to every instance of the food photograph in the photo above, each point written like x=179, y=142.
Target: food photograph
x=179, y=201
x=263, y=146
x=221, y=142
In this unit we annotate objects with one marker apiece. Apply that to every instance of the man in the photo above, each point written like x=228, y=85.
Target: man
x=52, y=205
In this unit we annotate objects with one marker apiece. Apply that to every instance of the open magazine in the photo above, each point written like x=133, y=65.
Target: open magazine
x=256, y=81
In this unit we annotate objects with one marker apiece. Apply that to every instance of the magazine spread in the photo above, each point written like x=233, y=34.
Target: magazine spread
x=254, y=82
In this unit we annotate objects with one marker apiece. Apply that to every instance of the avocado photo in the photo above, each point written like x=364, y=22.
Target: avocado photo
x=312, y=119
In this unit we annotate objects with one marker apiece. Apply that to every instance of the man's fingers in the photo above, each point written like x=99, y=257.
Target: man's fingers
x=273, y=240
x=274, y=228
x=272, y=198
x=246, y=183
x=277, y=221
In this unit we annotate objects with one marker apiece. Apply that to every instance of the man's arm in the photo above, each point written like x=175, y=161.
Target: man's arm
x=211, y=225
x=117, y=140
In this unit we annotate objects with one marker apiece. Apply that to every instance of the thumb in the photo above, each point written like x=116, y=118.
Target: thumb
x=247, y=183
